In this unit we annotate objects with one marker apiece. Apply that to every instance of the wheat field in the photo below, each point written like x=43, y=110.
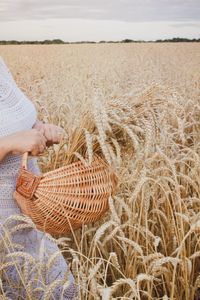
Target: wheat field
x=139, y=106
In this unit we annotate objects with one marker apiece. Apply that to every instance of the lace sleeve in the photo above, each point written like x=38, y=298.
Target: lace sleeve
x=7, y=82
x=5, y=88
x=5, y=72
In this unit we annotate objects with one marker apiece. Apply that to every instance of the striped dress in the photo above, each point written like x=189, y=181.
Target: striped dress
x=18, y=113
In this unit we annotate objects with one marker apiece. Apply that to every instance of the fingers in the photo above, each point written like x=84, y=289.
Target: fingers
x=41, y=130
x=60, y=133
x=38, y=150
x=34, y=152
x=40, y=145
x=53, y=133
x=43, y=139
x=41, y=149
x=47, y=133
x=39, y=136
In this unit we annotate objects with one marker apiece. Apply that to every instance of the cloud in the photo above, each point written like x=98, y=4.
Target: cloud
x=119, y=10
x=92, y=30
x=186, y=24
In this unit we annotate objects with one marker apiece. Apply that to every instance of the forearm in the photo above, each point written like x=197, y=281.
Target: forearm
x=6, y=144
x=5, y=147
x=30, y=140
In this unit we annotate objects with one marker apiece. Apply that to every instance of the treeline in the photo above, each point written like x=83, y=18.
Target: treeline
x=58, y=41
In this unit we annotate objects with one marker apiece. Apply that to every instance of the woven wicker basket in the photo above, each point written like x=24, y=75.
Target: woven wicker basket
x=64, y=199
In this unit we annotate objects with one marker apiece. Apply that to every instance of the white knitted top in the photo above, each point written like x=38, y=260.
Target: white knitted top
x=17, y=113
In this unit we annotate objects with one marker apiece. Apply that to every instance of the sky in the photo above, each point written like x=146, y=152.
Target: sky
x=96, y=20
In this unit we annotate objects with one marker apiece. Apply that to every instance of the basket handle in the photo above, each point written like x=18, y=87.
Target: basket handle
x=25, y=159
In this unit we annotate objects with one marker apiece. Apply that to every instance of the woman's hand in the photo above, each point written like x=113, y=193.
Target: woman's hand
x=31, y=141
x=52, y=133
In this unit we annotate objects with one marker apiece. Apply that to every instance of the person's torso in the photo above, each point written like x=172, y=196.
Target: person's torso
x=17, y=113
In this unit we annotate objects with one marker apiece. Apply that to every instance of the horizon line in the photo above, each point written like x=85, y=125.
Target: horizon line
x=100, y=41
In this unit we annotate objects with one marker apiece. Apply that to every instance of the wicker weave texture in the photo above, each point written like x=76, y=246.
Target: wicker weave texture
x=67, y=197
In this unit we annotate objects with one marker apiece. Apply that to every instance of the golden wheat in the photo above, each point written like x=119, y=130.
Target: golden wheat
x=137, y=105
